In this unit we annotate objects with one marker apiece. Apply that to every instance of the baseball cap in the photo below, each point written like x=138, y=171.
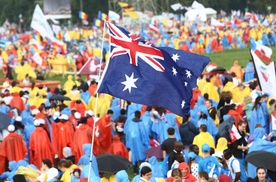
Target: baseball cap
x=11, y=128
x=205, y=148
x=56, y=115
x=77, y=115
x=192, y=155
x=218, y=154
x=18, y=118
x=63, y=117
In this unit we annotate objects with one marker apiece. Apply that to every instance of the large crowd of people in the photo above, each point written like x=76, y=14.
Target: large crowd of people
x=60, y=139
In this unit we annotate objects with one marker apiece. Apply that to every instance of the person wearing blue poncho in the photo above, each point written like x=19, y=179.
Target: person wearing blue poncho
x=147, y=122
x=85, y=159
x=205, y=119
x=138, y=176
x=121, y=176
x=9, y=175
x=93, y=177
x=249, y=71
x=137, y=140
x=258, y=115
x=156, y=168
x=259, y=144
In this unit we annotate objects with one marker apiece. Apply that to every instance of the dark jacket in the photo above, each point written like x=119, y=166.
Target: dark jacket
x=187, y=132
x=225, y=128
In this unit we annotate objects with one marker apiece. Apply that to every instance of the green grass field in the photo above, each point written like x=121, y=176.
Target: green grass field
x=223, y=59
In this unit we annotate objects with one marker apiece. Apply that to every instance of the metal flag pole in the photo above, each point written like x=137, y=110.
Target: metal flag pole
x=96, y=107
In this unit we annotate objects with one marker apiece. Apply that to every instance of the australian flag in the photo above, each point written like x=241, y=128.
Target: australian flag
x=141, y=73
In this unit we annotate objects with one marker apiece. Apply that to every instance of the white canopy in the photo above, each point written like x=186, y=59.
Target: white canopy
x=201, y=14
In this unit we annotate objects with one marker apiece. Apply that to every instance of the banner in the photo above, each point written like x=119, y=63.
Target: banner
x=266, y=75
x=57, y=9
x=40, y=24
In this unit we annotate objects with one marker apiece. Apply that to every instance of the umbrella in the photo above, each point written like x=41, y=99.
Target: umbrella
x=5, y=121
x=218, y=70
x=109, y=163
x=154, y=151
x=262, y=158
x=59, y=97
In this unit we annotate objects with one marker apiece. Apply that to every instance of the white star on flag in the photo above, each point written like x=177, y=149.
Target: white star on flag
x=188, y=73
x=185, y=83
x=183, y=104
x=174, y=71
x=129, y=83
x=175, y=57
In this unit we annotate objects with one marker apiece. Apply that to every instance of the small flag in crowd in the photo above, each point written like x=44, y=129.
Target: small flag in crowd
x=263, y=52
x=92, y=67
x=102, y=16
x=83, y=15
x=141, y=73
x=98, y=23
x=234, y=134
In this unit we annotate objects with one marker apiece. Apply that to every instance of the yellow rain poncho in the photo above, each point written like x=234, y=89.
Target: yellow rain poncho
x=20, y=72
x=238, y=95
x=28, y=69
x=229, y=87
x=68, y=85
x=202, y=138
x=210, y=89
x=221, y=145
x=104, y=101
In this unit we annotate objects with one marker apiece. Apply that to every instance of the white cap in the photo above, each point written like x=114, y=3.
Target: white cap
x=56, y=115
x=218, y=154
x=63, y=117
x=90, y=113
x=52, y=173
x=11, y=128
x=36, y=122
x=35, y=111
x=18, y=118
x=77, y=115
x=41, y=121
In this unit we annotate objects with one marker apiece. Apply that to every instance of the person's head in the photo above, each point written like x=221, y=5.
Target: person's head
x=177, y=175
x=137, y=114
x=264, y=98
x=208, y=103
x=110, y=113
x=227, y=153
x=123, y=112
x=146, y=172
x=261, y=173
x=46, y=164
x=179, y=157
x=272, y=103
x=64, y=164
x=203, y=128
x=206, y=96
x=203, y=176
x=205, y=148
x=178, y=146
x=242, y=126
x=240, y=86
x=170, y=131
x=184, y=169
x=194, y=148
x=67, y=152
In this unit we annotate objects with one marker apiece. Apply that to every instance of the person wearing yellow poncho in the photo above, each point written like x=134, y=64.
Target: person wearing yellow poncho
x=33, y=95
x=19, y=70
x=66, y=166
x=97, y=52
x=68, y=85
x=104, y=101
x=229, y=86
x=15, y=87
x=203, y=138
x=239, y=93
x=210, y=89
x=201, y=83
x=221, y=145
x=109, y=179
x=27, y=68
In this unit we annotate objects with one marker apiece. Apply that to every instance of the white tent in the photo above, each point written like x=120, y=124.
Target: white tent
x=201, y=14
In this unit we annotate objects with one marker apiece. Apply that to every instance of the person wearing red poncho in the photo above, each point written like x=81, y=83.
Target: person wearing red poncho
x=62, y=135
x=13, y=146
x=105, y=131
x=118, y=148
x=40, y=146
x=80, y=138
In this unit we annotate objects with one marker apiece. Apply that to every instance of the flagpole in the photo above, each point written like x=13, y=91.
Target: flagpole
x=96, y=107
x=256, y=73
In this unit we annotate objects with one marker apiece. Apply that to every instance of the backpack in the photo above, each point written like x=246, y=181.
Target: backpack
x=225, y=171
x=212, y=169
x=243, y=177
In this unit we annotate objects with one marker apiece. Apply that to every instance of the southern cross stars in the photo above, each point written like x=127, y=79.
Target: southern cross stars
x=175, y=57
x=129, y=83
x=174, y=71
x=188, y=73
x=183, y=104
